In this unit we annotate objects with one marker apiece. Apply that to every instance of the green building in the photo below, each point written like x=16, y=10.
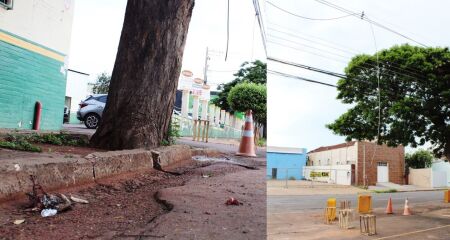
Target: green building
x=34, y=44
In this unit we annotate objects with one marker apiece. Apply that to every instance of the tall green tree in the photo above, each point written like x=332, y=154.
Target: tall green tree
x=101, y=84
x=419, y=159
x=255, y=72
x=414, y=98
x=250, y=96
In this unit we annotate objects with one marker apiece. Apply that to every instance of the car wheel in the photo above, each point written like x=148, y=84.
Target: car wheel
x=91, y=120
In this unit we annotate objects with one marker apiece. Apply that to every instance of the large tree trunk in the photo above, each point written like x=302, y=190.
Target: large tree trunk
x=145, y=75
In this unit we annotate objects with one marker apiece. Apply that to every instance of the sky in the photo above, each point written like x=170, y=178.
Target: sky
x=298, y=111
x=95, y=37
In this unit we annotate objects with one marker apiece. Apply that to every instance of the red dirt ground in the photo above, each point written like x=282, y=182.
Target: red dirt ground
x=82, y=151
x=152, y=204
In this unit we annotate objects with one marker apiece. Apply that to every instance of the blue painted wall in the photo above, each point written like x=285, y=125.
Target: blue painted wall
x=287, y=165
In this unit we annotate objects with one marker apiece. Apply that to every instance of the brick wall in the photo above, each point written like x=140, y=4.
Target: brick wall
x=395, y=157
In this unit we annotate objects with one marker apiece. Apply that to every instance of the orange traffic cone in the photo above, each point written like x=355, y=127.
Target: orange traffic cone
x=406, y=211
x=247, y=145
x=389, y=207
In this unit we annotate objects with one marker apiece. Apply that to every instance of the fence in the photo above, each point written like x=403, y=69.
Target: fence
x=337, y=174
x=186, y=126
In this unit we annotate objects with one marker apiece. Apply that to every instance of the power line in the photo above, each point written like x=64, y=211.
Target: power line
x=345, y=49
x=365, y=18
x=260, y=23
x=305, y=51
x=365, y=65
x=228, y=30
x=300, y=78
x=253, y=35
x=307, y=18
x=334, y=74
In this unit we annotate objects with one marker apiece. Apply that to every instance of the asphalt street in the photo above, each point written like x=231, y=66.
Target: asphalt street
x=291, y=204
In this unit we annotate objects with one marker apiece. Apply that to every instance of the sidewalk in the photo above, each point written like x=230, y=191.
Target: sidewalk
x=296, y=187
x=402, y=188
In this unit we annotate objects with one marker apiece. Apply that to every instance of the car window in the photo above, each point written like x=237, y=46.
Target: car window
x=89, y=98
x=102, y=99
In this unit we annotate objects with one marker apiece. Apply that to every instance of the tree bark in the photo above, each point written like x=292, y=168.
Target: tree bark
x=145, y=76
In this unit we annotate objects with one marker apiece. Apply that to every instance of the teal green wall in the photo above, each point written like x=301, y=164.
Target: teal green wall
x=27, y=77
x=73, y=118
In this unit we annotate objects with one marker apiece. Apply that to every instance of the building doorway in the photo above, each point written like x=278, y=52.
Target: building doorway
x=382, y=172
x=274, y=173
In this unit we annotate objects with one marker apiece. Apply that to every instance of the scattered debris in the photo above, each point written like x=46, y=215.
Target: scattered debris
x=78, y=200
x=232, y=201
x=48, y=212
x=207, y=175
x=19, y=221
x=48, y=204
x=17, y=167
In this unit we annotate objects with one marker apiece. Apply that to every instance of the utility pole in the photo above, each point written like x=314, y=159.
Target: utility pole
x=205, y=73
x=364, y=164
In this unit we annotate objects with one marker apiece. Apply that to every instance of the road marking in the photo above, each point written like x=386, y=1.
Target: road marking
x=420, y=231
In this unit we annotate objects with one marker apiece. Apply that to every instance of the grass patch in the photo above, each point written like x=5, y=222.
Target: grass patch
x=261, y=142
x=24, y=142
x=172, y=135
x=20, y=145
x=60, y=139
x=386, y=191
x=362, y=187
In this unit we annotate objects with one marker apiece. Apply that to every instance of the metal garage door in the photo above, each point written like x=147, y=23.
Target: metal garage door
x=382, y=172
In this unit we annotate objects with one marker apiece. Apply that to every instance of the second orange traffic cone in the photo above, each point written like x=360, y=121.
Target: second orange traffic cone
x=247, y=145
x=406, y=211
x=389, y=207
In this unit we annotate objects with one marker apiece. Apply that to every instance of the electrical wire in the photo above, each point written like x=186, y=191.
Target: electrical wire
x=299, y=78
x=348, y=50
x=253, y=35
x=365, y=66
x=228, y=30
x=260, y=23
x=334, y=74
x=307, y=18
x=365, y=18
x=379, y=94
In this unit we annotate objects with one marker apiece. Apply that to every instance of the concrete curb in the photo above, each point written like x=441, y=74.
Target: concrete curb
x=61, y=172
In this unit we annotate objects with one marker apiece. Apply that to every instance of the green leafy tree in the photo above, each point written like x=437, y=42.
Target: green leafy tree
x=414, y=98
x=255, y=72
x=250, y=96
x=419, y=159
x=101, y=85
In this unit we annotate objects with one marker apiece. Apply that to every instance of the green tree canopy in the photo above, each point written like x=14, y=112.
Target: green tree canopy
x=101, y=85
x=249, y=96
x=415, y=98
x=419, y=159
x=255, y=72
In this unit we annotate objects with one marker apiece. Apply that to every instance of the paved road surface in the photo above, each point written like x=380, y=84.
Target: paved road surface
x=289, y=204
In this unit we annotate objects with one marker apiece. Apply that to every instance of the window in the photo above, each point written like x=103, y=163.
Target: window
x=7, y=4
x=382, y=164
x=102, y=99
